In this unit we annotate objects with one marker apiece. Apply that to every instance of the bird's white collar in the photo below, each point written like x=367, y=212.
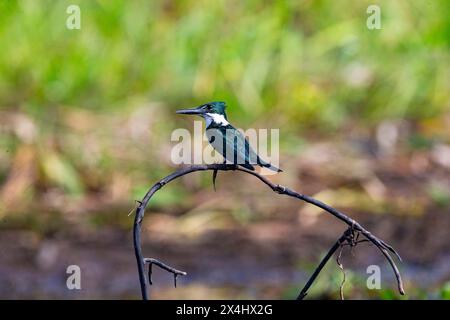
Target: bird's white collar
x=218, y=119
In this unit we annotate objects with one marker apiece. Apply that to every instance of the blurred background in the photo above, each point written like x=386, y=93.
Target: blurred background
x=85, y=123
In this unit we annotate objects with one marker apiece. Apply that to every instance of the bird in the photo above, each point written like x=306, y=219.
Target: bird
x=226, y=139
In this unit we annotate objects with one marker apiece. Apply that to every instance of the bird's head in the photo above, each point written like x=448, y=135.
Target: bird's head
x=212, y=112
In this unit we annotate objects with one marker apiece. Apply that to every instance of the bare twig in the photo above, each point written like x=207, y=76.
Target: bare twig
x=354, y=226
x=344, y=278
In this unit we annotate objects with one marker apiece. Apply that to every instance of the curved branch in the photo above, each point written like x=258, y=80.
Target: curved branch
x=322, y=264
x=140, y=211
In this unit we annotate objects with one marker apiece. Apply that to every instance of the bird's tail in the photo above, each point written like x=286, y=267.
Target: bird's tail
x=268, y=166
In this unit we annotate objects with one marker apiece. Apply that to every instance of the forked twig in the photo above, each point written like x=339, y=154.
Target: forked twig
x=355, y=227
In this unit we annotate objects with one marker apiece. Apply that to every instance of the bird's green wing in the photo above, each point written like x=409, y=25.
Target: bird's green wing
x=238, y=147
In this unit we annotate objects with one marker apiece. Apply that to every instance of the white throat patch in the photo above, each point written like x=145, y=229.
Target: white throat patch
x=218, y=118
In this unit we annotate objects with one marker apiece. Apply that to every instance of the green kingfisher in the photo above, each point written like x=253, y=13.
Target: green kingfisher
x=226, y=139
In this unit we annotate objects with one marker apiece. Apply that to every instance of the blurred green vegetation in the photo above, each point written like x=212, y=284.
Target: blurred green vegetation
x=302, y=66
x=313, y=62
x=86, y=115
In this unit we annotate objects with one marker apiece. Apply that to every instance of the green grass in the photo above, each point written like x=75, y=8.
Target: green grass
x=313, y=63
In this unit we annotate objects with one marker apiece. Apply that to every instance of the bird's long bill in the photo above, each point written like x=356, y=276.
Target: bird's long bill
x=197, y=110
